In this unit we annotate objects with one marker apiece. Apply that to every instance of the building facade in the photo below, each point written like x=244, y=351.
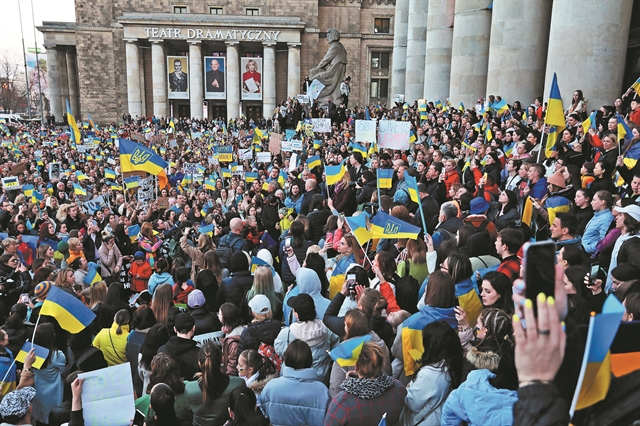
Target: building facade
x=469, y=49
x=215, y=58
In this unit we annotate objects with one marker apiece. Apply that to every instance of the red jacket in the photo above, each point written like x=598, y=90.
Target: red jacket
x=143, y=271
x=450, y=178
x=634, y=117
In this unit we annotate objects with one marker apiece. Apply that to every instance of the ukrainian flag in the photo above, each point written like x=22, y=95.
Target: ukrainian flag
x=412, y=188
x=226, y=173
x=257, y=135
x=134, y=157
x=133, y=232
x=346, y=354
x=500, y=107
x=413, y=137
x=385, y=178
x=555, y=113
x=207, y=229
x=590, y=122
x=132, y=182
x=115, y=187
x=636, y=86
x=488, y=134
x=76, y=136
x=527, y=213
x=334, y=173
x=109, y=174
x=422, y=108
x=439, y=104
x=556, y=204
x=469, y=300
x=508, y=149
x=29, y=225
x=373, y=148
x=631, y=156
x=552, y=138
x=386, y=226
x=249, y=177
x=41, y=354
x=313, y=162
x=412, y=348
x=91, y=121
x=361, y=149
x=209, y=184
x=461, y=107
x=72, y=315
x=317, y=144
x=77, y=189
x=92, y=276
x=623, y=130
x=8, y=372
x=358, y=225
x=27, y=190
x=81, y=176
x=255, y=262
x=595, y=374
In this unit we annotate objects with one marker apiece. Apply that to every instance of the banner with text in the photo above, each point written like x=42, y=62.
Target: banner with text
x=394, y=134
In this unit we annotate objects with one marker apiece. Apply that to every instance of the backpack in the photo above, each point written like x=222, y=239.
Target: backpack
x=268, y=351
x=407, y=290
x=225, y=250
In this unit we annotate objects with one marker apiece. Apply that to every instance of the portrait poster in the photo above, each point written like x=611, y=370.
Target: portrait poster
x=215, y=77
x=178, y=77
x=251, y=69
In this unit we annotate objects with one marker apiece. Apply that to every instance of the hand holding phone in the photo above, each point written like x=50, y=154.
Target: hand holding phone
x=539, y=270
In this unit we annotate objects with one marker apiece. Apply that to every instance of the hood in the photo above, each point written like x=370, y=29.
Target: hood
x=177, y=346
x=258, y=385
x=264, y=254
x=488, y=360
x=312, y=332
x=308, y=281
x=163, y=277
x=302, y=375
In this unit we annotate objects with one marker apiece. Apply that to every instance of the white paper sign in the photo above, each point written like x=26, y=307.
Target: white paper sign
x=286, y=146
x=81, y=148
x=211, y=159
x=145, y=190
x=314, y=89
x=365, y=131
x=293, y=162
x=107, y=396
x=321, y=125
x=245, y=154
x=263, y=157
x=398, y=98
x=214, y=337
x=54, y=170
x=296, y=145
x=394, y=134
x=190, y=168
x=303, y=99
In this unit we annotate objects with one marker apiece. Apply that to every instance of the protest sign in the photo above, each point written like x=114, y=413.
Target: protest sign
x=107, y=396
x=394, y=134
x=111, y=161
x=321, y=125
x=303, y=99
x=163, y=203
x=314, y=89
x=190, y=168
x=245, y=154
x=213, y=337
x=296, y=145
x=18, y=169
x=10, y=183
x=365, y=131
x=81, y=148
x=138, y=137
x=225, y=158
x=212, y=160
x=94, y=205
x=290, y=134
x=308, y=130
x=274, y=145
x=293, y=162
x=398, y=98
x=263, y=157
x=145, y=189
x=286, y=146
x=54, y=171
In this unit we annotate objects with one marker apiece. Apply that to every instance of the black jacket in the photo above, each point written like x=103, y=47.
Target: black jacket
x=185, y=353
x=234, y=288
x=431, y=209
x=257, y=333
x=89, y=247
x=365, y=193
x=317, y=222
x=306, y=201
x=540, y=404
x=206, y=322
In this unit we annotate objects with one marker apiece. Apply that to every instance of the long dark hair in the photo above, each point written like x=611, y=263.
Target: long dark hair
x=459, y=267
x=162, y=400
x=242, y=402
x=502, y=285
x=45, y=336
x=157, y=336
x=212, y=380
x=442, y=344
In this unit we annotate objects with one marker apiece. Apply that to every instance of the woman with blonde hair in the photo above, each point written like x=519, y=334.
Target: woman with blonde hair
x=65, y=280
x=162, y=306
x=75, y=250
x=97, y=300
x=348, y=252
x=344, y=196
x=415, y=261
x=62, y=213
x=149, y=243
x=263, y=284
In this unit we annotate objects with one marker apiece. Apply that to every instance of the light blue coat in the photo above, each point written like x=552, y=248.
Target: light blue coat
x=157, y=279
x=596, y=230
x=295, y=398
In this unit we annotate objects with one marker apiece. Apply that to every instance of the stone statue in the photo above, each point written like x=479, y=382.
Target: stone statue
x=331, y=69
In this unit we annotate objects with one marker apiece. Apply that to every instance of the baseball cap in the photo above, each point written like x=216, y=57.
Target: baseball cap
x=304, y=306
x=196, y=299
x=260, y=304
x=632, y=210
x=184, y=322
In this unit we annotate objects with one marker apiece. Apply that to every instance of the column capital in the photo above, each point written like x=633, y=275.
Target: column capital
x=130, y=40
x=194, y=42
x=269, y=43
x=156, y=40
x=294, y=45
x=50, y=46
x=232, y=43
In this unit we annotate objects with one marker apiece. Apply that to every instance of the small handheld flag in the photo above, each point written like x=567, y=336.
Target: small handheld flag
x=347, y=353
x=385, y=178
x=41, y=354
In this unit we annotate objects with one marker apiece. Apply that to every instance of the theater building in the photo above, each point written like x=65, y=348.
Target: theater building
x=213, y=58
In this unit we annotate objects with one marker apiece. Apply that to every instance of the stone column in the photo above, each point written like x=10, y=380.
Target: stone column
x=133, y=77
x=143, y=85
x=233, y=81
x=587, y=49
x=416, y=46
x=196, y=85
x=437, y=68
x=470, y=51
x=159, y=78
x=53, y=78
x=399, y=58
x=518, y=49
x=64, y=79
x=293, y=72
x=269, y=79
x=72, y=71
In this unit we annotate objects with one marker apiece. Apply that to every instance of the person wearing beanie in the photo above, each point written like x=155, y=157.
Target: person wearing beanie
x=40, y=293
x=140, y=272
x=206, y=322
x=263, y=328
x=182, y=348
x=234, y=289
x=61, y=254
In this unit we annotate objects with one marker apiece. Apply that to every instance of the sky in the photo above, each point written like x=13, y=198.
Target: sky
x=48, y=10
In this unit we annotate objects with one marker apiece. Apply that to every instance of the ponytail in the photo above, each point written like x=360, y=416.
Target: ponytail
x=214, y=381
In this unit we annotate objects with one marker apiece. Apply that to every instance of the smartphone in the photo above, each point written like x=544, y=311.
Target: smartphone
x=351, y=284
x=287, y=243
x=24, y=298
x=539, y=270
x=593, y=273
x=138, y=419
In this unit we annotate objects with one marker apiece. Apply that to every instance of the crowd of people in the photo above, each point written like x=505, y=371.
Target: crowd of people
x=262, y=255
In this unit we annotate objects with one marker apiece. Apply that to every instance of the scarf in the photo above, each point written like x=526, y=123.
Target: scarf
x=367, y=388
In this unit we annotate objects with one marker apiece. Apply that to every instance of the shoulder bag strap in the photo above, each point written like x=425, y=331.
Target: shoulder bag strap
x=114, y=348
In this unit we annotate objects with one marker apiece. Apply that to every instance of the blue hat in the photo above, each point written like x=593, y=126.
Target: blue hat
x=139, y=255
x=479, y=205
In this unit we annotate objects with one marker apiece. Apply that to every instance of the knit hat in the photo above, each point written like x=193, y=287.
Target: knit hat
x=42, y=289
x=184, y=322
x=16, y=403
x=557, y=179
x=260, y=304
x=239, y=262
x=479, y=205
x=63, y=247
x=138, y=255
x=196, y=299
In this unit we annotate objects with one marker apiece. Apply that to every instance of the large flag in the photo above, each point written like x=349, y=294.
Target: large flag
x=552, y=138
x=386, y=226
x=358, y=225
x=40, y=352
x=412, y=348
x=72, y=315
x=135, y=157
x=334, y=173
x=631, y=156
x=92, y=276
x=385, y=178
x=76, y=137
x=595, y=373
x=555, y=112
x=636, y=86
x=346, y=354
x=412, y=187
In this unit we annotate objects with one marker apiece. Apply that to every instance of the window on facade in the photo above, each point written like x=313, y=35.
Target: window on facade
x=215, y=11
x=380, y=60
x=379, y=88
x=381, y=25
x=180, y=9
x=251, y=11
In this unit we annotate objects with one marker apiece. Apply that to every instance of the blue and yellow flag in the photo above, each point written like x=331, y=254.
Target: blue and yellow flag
x=527, y=212
x=207, y=229
x=27, y=190
x=334, y=173
x=313, y=162
x=209, y=184
x=636, y=86
x=79, y=190
x=469, y=300
x=135, y=157
x=552, y=139
x=439, y=104
x=500, y=107
x=40, y=352
x=76, y=136
x=81, y=176
x=255, y=262
x=555, y=113
x=317, y=144
x=595, y=374
x=422, y=108
x=590, y=122
x=226, y=173
x=92, y=276
x=110, y=174
x=556, y=204
x=249, y=177
x=385, y=178
x=72, y=315
x=412, y=348
x=631, y=156
x=461, y=107
x=134, y=231
x=624, y=132
x=132, y=182
x=7, y=375
x=346, y=354
x=412, y=188
x=358, y=225
x=115, y=187
x=386, y=226
x=361, y=149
